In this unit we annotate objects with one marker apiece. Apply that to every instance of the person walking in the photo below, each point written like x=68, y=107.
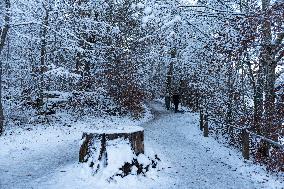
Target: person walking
x=176, y=101
x=168, y=101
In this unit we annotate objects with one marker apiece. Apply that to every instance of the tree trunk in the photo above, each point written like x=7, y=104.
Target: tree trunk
x=3, y=36
x=136, y=140
x=266, y=78
x=270, y=100
x=169, y=79
x=267, y=62
x=258, y=100
x=229, y=117
x=43, y=36
x=261, y=80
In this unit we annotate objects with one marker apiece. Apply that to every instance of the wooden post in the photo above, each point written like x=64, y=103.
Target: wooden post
x=245, y=144
x=205, y=125
x=201, y=120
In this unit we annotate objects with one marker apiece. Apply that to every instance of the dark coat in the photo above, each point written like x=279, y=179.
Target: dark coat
x=176, y=99
x=168, y=102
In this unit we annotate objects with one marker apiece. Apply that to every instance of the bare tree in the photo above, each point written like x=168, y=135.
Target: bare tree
x=43, y=37
x=269, y=62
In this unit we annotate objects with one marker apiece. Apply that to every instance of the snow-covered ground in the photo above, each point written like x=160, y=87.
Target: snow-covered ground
x=199, y=162
x=46, y=157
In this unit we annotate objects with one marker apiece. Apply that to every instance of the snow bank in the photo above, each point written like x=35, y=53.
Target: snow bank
x=119, y=152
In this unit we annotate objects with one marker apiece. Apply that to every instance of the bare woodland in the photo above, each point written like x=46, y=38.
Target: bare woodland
x=87, y=57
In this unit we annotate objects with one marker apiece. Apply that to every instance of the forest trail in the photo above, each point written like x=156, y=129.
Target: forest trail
x=198, y=162
x=191, y=160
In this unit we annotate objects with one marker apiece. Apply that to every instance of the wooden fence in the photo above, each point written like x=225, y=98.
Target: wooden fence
x=245, y=136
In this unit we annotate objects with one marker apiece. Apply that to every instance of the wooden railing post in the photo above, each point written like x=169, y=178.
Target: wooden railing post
x=205, y=126
x=245, y=143
x=201, y=120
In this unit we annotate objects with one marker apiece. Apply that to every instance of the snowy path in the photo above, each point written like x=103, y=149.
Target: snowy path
x=34, y=160
x=47, y=158
x=198, y=162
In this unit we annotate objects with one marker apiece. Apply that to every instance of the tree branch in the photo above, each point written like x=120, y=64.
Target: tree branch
x=279, y=38
x=278, y=43
x=281, y=55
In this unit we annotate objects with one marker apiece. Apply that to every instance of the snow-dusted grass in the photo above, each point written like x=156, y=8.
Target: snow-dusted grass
x=39, y=136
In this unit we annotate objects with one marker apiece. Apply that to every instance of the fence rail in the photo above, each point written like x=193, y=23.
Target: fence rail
x=271, y=142
x=245, y=135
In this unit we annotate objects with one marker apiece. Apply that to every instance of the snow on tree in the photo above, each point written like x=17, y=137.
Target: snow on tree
x=103, y=57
